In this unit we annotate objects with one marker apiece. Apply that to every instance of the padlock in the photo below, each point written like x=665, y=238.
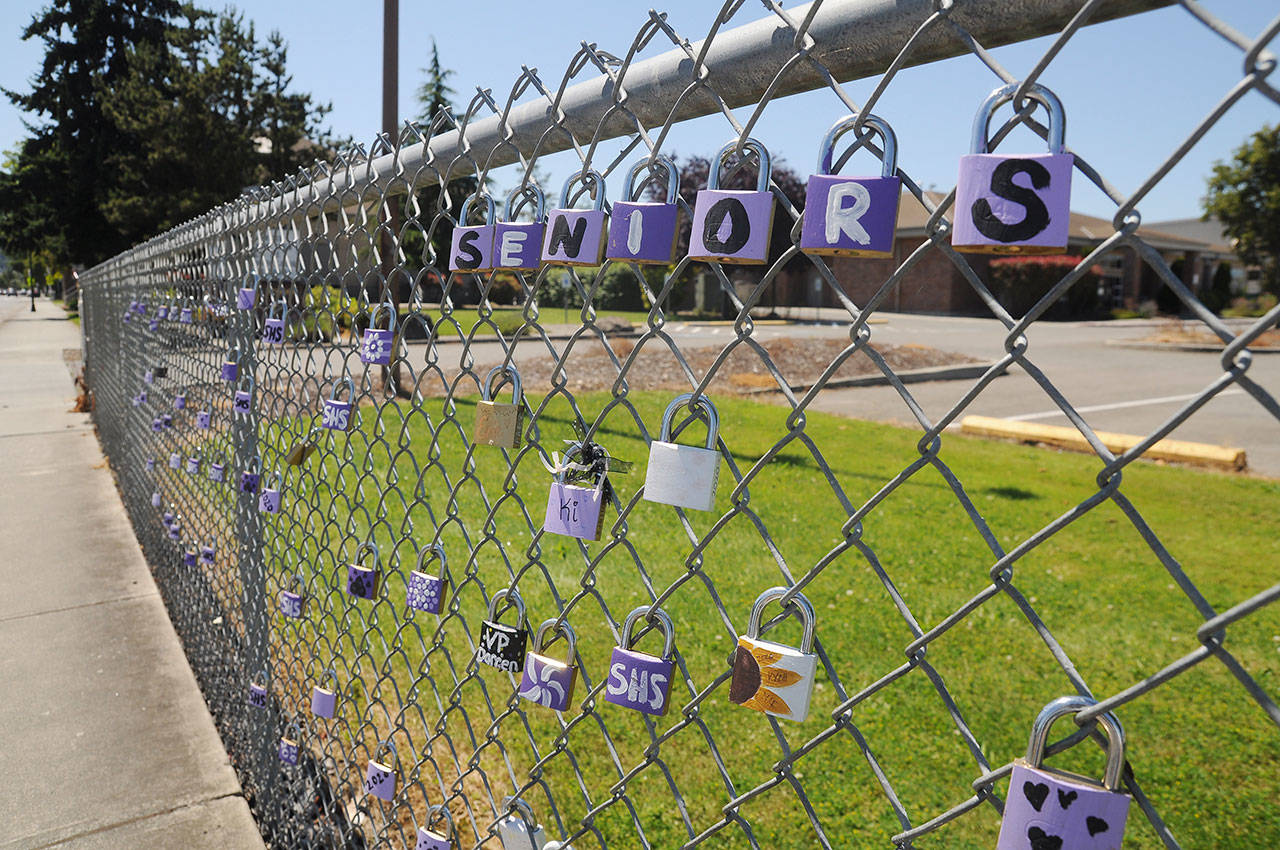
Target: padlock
x=429, y=839
x=500, y=423
x=167, y=517
x=207, y=553
x=380, y=778
x=231, y=366
x=572, y=510
x=151, y=464
x=218, y=472
x=336, y=415
x=548, y=681
x=291, y=599
x=1049, y=808
x=576, y=237
x=166, y=420
x=247, y=296
x=502, y=646
x=1014, y=204
x=684, y=476
x=175, y=529
x=155, y=499
x=733, y=226
x=203, y=419
x=180, y=401
x=301, y=450
x=258, y=692
x=646, y=233
x=519, y=830
x=273, y=326
x=426, y=591
x=324, y=701
x=362, y=581
x=471, y=249
x=773, y=677
x=149, y=376
x=142, y=397
x=853, y=216
x=157, y=424
x=141, y=308
x=289, y=745
x=378, y=344
x=269, y=498
x=193, y=464
x=175, y=461
x=153, y=325
x=185, y=316
x=637, y=680
x=242, y=403
x=162, y=311
x=517, y=245
x=251, y=477
x=188, y=557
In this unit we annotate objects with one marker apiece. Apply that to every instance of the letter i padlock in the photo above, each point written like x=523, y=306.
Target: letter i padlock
x=637, y=680
x=291, y=599
x=289, y=744
x=324, y=701
x=646, y=233
x=498, y=423
x=733, y=226
x=549, y=681
x=471, y=249
x=425, y=591
x=336, y=415
x=258, y=692
x=180, y=400
x=208, y=552
x=517, y=245
x=380, y=777
x=428, y=839
x=684, y=476
x=193, y=464
x=1053, y=808
x=273, y=327
x=773, y=677
x=503, y=646
x=1014, y=204
x=377, y=343
x=853, y=216
x=242, y=403
x=247, y=295
x=575, y=511
x=269, y=498
x=362, y=581
x=576, y=237
x=231, y=366
x=519, y=830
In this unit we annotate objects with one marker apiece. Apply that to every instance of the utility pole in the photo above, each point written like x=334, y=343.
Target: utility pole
x=391, y=206
x=31, y=286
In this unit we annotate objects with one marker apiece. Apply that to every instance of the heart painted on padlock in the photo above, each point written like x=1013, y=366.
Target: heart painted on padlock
x=1095, y=825
x=1040, y=840
x=1066, y=798
x=1036, y=793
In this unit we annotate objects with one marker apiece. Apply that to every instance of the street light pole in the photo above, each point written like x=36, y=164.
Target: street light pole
x=31, y=287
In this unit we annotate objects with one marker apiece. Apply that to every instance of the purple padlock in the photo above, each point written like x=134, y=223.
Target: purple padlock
x=231, y=366
x=378, y=344
x=575, y=511
x=218, y=472
x=175, y=531
x=242, y=401
x=151, y=464
x=430, y=840
x=167, y=516
x=289, y=745
x=426, y=591
x=1014, y=204
x=576, y=237
x=324, y=701
x=269, y=499
x=149, y=376
x=166, y=419
x=180, y=401
x=258, y=692
x=193, y=464
x=853, y=216
x=273, y=327
x=142, y=308
x=733, y=226
x=155, y=499
x=637, y=680
x=189, y=558
x=291, y=600
x=1052, y=808
x=471, y=249
x=157, y=424
x=184, y=316
x=208, y=552
x=153, y=325
x=246, y=296
x=646, y=233
x=362, y=581
x=142, y=397
x=175, y=461
x=249, y=482
x=336, y=414
x=203, y=419
x=380, y=778
x=517, y=245
x=549, y=681
x=162, y=312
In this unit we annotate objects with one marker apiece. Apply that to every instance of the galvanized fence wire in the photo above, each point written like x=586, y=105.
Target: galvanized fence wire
x=463, y=740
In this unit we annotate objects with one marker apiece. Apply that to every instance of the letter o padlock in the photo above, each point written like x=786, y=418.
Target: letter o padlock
x=733, y=226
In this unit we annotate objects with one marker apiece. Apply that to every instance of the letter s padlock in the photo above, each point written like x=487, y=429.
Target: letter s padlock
x=646, y=233
x=684, y=476
x=637, y=680
x=572, y=510
x=549, y=681
x=377, y=345
x=273, y=327
x=1014, y=204
x=425, y=591
x=336, y=415
x=362, y=581
x=853, y=216
x=576, y=237
x=1053, y=808
x=380, y=778
x=500, y=424
x=502, y=646
x=773, y=677
x=517, y=245
x=733, y=226
x=289, y=744
x=519, y=830
x=291, y=599
x=472, y=245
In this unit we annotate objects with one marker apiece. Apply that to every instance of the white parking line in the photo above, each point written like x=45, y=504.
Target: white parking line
x=1142, y=402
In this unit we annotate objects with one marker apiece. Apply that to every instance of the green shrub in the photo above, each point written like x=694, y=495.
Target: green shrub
x=1020, y=282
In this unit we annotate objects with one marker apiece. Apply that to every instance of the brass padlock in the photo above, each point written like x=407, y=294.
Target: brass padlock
x=500, y=424
x=301, y=450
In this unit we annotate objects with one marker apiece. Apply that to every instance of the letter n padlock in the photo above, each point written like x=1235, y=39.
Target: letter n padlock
x=380, y=778
x=425, y=591
x=684, y=476
x=498, y=423
x=471, y=248
x=336, y=415
x=289, y=744
x=772, y=677
x=377, y=344
x=273, y=327
x=517, y=245
x=324, y=701
x=575, y=511
x=258, y=691
x=362, y=581
x=853, y=216
x=429, y=839
x=503, y=646
x=576, y=237
x=291, y=601
x=520, y=830
x=733, y=226
x=637, y=680
x=549, y=681
x=1052, y=808
x=646, y=233
x=1014, y=204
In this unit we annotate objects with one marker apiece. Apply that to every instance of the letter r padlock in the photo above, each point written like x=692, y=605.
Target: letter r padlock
x=637, y=680
x=519, y=830
x=773, y=677
x=471, y=248
x=576, y=237
x=549, y=681
x=425, y=591
x=646, y=233
x=1052, y=808
x=503, y=646
x=380, y=778
x=733, y=226
x=362, y=581
x=517, y=245
x=289, y=744
x=324, y=701
x=684, y=476
x=500, y=424
x=853, y=216
x=1014, y=204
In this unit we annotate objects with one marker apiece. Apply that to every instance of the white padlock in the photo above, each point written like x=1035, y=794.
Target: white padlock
x=521, y=830
x=684, y=476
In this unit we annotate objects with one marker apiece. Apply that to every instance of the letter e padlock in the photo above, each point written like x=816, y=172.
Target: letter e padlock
x=853, y=216
x=575, y=511
x=471, y=249
x=684, y=476
x=425, y=591
x=503, y=646
x=362, y=581
x=1052, y=808
x=289, y=744
x=772, y=677
x=520, y=830
x=498, y=423
x=646, y=233
x=377, y=344
x=733, y=226
x=380, y=777
x=324, y=701
x=549, y=681
x=336, y=415
x=517, y=245
x=637, y=680
x=1014, y=204
x=576, y=237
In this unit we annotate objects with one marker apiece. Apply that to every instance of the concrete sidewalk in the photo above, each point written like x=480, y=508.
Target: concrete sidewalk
x=105, y=740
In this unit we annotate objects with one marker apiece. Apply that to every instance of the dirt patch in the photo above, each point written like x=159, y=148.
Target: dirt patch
x=1194, y=333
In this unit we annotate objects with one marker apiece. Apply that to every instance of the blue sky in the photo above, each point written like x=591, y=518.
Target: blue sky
x=1132, y=89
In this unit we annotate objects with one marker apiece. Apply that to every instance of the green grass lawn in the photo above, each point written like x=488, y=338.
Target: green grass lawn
x=1203, y=752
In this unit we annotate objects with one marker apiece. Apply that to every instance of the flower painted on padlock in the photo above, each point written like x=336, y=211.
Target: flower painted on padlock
x=548, y=681
x=203, y=419
x=501, y=646
x=680, y=475
x=853, y=216
x=771, y=677
x=380, y=778
x=733, y=226
x=336, y=415
x=375, y=346
x=646, y=232
x=362, y=581
x=426, y=591
x=637, y=680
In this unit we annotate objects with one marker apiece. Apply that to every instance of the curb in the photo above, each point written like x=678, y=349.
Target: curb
x=911, y=376
x=1186, y=346
x=1181, y=451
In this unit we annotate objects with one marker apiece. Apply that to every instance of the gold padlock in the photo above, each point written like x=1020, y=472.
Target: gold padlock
x=498, y=423
x=301, y=450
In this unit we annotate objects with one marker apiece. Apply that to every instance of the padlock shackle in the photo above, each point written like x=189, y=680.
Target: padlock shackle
x=261, y=674
x=653, y=615
x=513, y=598
x=434, y=811
x=384, y=304
x=713, y=418
x=589, y=176
x=436, y=550
x=247, y=376
x=386, y=744
x=297, y=730
x=557, y=626
x=1063, y=706
x=367, y=546
x=766, y=171
x=489, y=215
x=653, y=163
x=525, y=808
x=1004, y=94
x=875, y=126
x=341, y=382
x=807, y=617
x=256, y=467
x=271, y=311
x=252, y=280
x=510, y=373
x=527, y=192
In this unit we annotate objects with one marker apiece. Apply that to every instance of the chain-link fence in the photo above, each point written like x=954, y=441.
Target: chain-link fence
x=289, y=389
